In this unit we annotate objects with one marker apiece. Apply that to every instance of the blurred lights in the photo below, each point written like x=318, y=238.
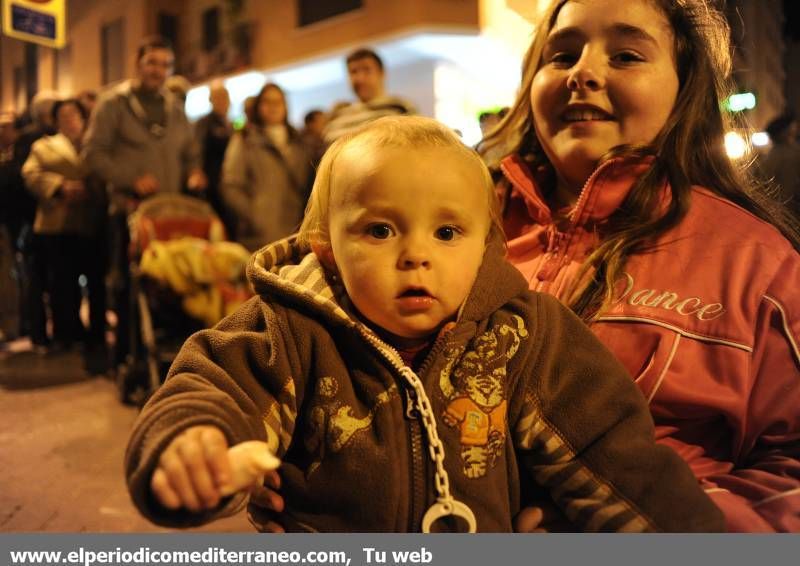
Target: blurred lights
x=740, y=102
x=760, y=139
x=735, y=146
x=197, y=103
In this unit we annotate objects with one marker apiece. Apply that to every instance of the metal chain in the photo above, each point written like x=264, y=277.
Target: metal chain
x=445, y=503
x=435, y=445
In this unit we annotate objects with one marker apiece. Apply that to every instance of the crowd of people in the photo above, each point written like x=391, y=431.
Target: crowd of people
x=70, y=183
x=588, y=322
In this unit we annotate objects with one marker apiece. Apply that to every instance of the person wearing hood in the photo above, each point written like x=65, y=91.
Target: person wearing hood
x=403, y=373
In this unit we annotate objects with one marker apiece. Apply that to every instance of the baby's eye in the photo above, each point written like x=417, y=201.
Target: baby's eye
x=379, y=231
x=447, y=233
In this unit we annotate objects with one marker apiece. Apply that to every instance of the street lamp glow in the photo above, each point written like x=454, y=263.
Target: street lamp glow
x=735, y=145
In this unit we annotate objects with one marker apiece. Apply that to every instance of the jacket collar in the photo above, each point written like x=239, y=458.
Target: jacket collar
x=58, y=143
x=602, y=194
x=126, y=90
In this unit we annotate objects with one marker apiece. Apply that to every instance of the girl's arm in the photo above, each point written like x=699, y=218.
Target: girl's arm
x=585, y=434
x=762, y=492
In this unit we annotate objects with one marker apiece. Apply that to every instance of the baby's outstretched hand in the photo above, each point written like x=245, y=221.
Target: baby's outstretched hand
x=197, y=469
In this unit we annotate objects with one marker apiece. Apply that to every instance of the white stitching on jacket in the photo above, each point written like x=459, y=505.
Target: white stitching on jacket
x=786, y=328
x=665, y=368
x=680, y=331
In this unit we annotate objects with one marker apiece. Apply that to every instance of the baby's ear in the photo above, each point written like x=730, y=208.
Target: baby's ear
x=324, y=253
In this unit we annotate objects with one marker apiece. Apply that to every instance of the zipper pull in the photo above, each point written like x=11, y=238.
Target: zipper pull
x=411, y=404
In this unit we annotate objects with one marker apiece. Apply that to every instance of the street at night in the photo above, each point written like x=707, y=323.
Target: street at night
x=63, y=438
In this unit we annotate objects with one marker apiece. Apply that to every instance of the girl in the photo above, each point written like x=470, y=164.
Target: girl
x=266, y=174
x=619, y=200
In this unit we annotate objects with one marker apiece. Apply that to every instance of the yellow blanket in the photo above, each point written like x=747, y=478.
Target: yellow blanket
x=210, y=276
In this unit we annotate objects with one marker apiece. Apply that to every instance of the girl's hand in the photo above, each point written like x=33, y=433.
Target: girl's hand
x=73, y=190
x=546, y=518
x=269, y=503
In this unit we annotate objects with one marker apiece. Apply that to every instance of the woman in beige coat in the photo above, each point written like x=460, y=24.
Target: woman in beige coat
x=70, y=226
x=266, y=174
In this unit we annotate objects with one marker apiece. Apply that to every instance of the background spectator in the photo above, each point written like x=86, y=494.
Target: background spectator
x=70, y=226
x=367, y=78
x=213, y=131
x=267, y=174
x=140, y=142
x=315, y=122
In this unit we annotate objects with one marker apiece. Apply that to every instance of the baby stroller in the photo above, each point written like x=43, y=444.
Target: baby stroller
x=184, y=277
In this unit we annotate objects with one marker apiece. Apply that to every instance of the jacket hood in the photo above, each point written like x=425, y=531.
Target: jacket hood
x=290, y=270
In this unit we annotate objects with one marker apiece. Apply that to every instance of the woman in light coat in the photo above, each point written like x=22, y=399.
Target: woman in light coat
x=70, y=225
x=266, y=174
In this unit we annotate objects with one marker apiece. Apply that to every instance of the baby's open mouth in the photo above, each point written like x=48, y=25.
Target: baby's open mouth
x=417, y=292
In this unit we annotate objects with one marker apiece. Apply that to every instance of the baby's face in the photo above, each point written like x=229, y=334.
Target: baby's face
x=408, y=229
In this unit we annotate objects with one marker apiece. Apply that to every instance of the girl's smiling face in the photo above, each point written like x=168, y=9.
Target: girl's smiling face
x=608, y=77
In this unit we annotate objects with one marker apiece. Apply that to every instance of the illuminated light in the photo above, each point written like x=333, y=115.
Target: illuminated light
x=735, y=146
x=461, y=93
x=740, y=102
x=197, y=103
x=760, y=139
x=240, y=87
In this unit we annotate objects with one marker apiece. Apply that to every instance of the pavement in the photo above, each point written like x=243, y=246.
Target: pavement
x=62, y=439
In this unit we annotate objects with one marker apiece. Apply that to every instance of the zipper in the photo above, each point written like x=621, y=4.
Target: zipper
x=418, y=502
x=582, y=196
x=417, y=477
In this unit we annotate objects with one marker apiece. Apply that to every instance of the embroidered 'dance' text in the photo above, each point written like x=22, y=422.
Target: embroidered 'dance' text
x=667, y=300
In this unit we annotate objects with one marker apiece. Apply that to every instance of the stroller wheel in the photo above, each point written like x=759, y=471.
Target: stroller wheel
x=131, y=382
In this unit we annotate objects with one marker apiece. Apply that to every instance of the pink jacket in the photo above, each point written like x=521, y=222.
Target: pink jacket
x=708, y=322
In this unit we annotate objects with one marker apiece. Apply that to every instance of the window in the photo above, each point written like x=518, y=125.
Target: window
x=20, y=98
x=62, y=70
x=313, y=11
x=210, y=29
x=31, y=70
x=168, y=28
x=112, y=42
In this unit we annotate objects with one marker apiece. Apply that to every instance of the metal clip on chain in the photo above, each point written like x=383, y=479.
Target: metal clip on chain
x=445, y=504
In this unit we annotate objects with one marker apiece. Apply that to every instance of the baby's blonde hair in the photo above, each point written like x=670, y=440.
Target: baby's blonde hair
x=412, y=132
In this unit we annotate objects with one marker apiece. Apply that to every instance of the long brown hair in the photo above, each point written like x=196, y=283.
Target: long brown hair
x=688, y=151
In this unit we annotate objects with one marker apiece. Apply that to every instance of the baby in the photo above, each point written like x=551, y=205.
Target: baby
x=403, y=374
